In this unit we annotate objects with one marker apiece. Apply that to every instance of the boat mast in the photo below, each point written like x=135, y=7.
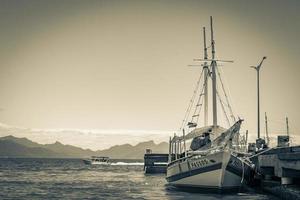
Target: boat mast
x=214, y=79
x=206, y=73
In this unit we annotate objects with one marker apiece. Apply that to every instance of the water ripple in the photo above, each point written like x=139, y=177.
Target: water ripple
x=71, y=179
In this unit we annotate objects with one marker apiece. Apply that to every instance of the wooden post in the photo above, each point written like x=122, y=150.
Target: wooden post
x=184, y=146
x=170, y=150
x=175, y=147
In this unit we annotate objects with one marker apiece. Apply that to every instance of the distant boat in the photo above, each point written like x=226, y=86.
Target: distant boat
x=97, y=160
x=215, y=158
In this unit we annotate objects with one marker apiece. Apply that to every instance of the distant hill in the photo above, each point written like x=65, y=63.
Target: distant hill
x=68, y=150
x=11, y=146
x=134, y=152
x=22, y=141
x=39, y=150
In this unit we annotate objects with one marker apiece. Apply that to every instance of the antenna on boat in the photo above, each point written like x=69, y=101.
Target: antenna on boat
x=257, y=68
x=213, y=75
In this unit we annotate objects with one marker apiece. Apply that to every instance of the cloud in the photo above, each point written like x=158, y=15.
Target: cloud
x=92, y=139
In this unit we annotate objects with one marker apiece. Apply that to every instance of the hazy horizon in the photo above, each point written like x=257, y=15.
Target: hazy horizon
x=92, y=139
x=122, y=65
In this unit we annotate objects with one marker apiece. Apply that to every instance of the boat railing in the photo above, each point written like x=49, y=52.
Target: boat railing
x=179, y=160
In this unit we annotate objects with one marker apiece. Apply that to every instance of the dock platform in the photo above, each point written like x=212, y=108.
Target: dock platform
x=155, y=162
x=280, y=171
x=280, y=162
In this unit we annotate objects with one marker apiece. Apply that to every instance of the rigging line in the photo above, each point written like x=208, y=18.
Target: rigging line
x=200, y=101
x=223, y=108
x=226, y=97
x=198, y=114
x=187, y=113
x=197, y=119
x=204, y=85
x=193, y=98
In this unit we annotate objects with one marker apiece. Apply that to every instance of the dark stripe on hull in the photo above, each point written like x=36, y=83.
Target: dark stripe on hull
x=205, y=189
x=155, y=169
x=194, y=172
x=235, y=166
x=234, y=170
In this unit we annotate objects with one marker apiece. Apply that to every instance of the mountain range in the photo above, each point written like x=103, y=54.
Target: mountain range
x=11, y=146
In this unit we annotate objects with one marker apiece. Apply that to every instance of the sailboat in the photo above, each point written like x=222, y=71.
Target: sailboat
x=214, y=158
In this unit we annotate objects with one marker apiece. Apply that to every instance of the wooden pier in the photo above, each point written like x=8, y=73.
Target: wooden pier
x=280, y=162
x=279, y=171
x=155, y=162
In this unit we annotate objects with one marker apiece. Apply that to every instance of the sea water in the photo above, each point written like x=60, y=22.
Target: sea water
x=27, y=178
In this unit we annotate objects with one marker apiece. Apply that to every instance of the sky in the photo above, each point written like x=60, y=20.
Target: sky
x=120, y=67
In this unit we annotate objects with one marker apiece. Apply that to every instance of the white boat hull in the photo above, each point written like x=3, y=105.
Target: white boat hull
x=91, y=162
x=211, y=171
x=100, y=163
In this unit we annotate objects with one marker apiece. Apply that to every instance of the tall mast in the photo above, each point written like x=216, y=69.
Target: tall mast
x=206, y=72
x=214, y=79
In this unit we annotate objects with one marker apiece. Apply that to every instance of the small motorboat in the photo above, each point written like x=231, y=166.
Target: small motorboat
x=97, y=160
